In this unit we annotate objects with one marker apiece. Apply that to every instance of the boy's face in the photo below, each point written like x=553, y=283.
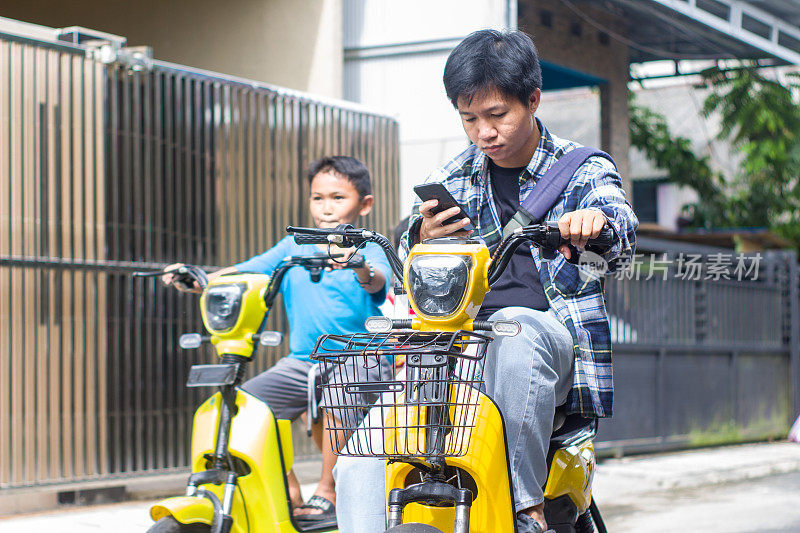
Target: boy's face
x=501, y=126
x=334, y=200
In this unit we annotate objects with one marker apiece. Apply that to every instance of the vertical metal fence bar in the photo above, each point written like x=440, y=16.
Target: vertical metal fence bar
x=794, y=315
x=79, y=308
x=40, y=289
x=114, y=198
x=6, y=223
x=99, y=86
x=27, y=308
x=88, y=405
x=12, y=289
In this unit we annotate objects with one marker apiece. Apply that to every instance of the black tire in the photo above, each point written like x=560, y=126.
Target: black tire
x=415, y=527
x=170, y=525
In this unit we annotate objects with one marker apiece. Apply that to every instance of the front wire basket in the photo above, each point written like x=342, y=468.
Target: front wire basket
x=401, y=394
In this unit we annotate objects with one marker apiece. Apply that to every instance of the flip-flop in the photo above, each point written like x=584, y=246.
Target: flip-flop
x=317, y=502
x=526, y=524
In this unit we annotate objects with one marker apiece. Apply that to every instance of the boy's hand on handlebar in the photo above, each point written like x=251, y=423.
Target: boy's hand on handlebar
x=342, y=261
x=170, y=278
x=432, y=225
x=578, y=227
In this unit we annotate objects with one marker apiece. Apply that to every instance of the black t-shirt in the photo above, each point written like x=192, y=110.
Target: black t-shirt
x=519, y=286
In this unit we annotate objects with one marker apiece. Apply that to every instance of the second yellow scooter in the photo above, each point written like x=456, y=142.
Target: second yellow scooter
x=240, y=452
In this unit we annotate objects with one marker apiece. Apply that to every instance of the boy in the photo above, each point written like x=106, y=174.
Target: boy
x=340, y=193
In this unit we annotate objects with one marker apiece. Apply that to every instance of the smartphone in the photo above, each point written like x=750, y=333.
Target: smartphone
x=429, y=191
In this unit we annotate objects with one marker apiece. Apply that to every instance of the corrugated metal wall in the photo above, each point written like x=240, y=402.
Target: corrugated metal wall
x=53, y=389
x=105, y=170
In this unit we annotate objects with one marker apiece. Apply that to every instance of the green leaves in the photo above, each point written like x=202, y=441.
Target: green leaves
x=760, y=117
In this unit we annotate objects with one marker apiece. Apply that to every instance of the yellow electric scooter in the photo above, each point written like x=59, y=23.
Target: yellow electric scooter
x=240, y=451
x=443, y=438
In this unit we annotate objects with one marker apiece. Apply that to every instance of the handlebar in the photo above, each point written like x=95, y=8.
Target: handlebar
x=548, y=238
x=346, y=236
x=302, y=238
x=343, y=235
x=545, y=236
x=314, y=264
x=185, y=276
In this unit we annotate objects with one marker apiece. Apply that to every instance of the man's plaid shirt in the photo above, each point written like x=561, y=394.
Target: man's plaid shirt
x=578, y=303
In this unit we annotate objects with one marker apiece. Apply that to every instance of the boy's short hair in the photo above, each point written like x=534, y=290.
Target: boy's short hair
x=506, y=60
x=349, y=167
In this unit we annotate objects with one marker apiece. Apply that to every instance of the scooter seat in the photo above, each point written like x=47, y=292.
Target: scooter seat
x=569, y=428
x=559, y=418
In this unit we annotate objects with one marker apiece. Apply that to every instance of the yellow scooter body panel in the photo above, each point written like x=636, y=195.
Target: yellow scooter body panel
x=476, y=288
x=185, y=509
x=238, y=339
x=255, y=435
x=492, y=509
x=571, y=473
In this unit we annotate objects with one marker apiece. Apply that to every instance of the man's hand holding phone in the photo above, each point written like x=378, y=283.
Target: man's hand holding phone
x=441, y=214
x=433, y=224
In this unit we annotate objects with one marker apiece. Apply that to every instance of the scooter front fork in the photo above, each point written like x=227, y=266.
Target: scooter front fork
x=435, y=494
x=222, y=521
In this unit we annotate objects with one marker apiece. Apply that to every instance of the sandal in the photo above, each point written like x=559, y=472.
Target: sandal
x=526, y=524
x=327, y=507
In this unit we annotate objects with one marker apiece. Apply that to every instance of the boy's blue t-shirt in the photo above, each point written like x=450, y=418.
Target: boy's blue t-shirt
x=335, y=305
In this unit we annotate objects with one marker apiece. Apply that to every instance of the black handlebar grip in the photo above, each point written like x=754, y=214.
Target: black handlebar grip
x=356, y=261
x=601, y=243
x=481, y=325
x=304, y=238
x=604, y=241
x=401, y=323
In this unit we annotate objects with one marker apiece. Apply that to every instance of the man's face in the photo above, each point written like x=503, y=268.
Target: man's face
x=501, y=126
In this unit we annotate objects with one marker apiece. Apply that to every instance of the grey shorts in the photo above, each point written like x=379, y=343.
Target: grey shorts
x=285, y=386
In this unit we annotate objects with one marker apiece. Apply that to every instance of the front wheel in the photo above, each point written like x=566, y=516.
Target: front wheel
x=170, y=525
x=414, y=528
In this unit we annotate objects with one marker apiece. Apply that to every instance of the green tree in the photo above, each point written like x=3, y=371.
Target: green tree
x=760, y=117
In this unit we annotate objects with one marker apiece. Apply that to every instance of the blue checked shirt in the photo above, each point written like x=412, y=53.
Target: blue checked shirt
x=578, y=303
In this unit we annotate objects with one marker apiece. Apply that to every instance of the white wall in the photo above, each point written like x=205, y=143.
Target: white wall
x=394, y=60
x=274, y=41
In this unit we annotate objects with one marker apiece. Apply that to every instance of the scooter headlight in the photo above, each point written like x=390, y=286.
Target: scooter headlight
x=223, y=303
x=438, y=283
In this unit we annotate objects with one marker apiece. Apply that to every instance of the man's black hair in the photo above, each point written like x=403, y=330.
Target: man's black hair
x=490, y=58
x=397, y=234
x=349, y=167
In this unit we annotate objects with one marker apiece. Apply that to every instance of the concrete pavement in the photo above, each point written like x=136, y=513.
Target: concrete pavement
x=744, y=488
x=623, y=487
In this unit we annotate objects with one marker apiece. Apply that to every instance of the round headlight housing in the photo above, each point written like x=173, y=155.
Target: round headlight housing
x=223, y=303
x=438, y=283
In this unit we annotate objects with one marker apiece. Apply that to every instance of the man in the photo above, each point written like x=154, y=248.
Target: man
x=563, y=354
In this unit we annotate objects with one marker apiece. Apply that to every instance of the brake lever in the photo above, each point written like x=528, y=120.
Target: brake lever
x=356, y=261
x=185, y=276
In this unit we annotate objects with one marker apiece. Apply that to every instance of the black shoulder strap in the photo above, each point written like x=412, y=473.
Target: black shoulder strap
x=550, y=186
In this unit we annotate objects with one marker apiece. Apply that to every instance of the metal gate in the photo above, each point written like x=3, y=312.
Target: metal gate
x=109, y=166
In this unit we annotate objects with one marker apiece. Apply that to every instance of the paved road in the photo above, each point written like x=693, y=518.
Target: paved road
x=766, y=505
x=736, y=489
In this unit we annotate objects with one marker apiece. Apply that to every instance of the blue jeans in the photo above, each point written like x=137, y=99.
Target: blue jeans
x=528, y=376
